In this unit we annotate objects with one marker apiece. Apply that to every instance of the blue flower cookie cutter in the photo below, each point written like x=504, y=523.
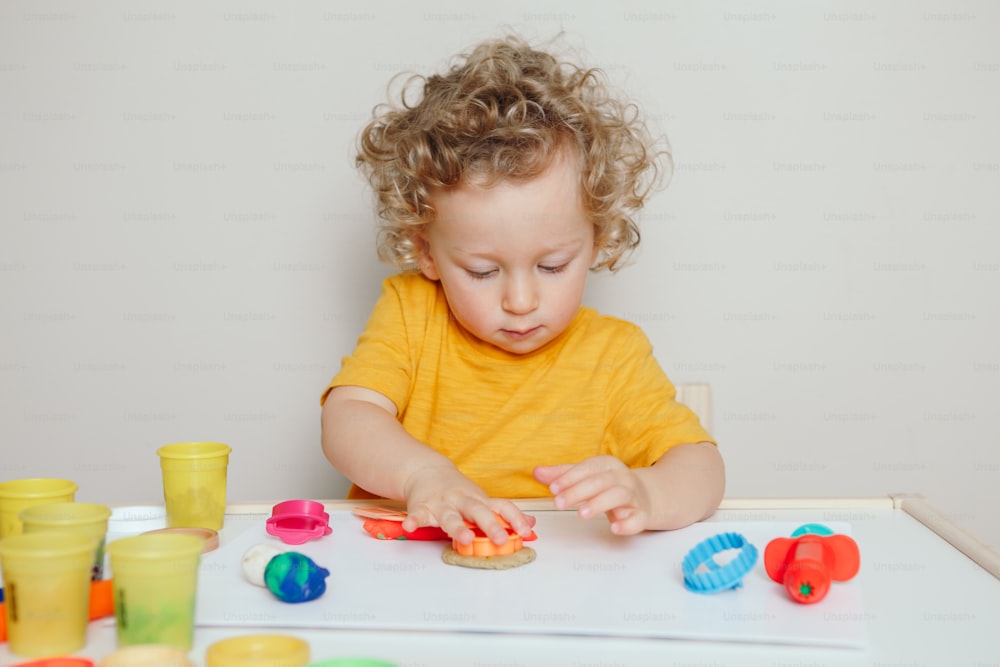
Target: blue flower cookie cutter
x=703, y=574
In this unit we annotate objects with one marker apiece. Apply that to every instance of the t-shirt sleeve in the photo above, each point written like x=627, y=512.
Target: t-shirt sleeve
x=644, y=419
x=381, y=360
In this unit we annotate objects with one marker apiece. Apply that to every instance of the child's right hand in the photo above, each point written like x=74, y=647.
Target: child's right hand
x=436, y=493
x=444, y=497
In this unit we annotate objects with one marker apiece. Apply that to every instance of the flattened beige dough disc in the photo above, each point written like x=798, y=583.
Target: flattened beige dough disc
x=522, y=557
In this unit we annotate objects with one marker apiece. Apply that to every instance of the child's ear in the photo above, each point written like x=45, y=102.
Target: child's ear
x=424, y=259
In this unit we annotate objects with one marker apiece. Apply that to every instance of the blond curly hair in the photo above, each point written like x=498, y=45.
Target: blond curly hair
x=501, y=112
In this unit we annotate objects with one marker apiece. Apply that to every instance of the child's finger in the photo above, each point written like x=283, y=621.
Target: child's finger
x=573, y=474
x=547, y=474
x=613, y=498
x=521, y=523
x=627, y=522
x=484, y=517
x=450, y=521
x=454, y=525
x=587, y=492
x=419, y=515
x=582, y=491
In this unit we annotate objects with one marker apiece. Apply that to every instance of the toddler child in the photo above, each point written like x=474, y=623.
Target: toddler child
x=480, y=377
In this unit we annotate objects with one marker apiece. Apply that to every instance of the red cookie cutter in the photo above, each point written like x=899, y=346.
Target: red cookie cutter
x=483, y=546
x=298, y=521
x=807, y=564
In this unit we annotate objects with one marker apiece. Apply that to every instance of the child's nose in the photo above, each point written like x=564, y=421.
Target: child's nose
x=520, y=295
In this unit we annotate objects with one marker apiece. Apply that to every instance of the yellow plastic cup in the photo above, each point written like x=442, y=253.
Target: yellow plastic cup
x=258, y=651
x=148, y=655
x=155, y=581
x=86, y=518
x=194, y=483
x=19, y=494
x=46, y=591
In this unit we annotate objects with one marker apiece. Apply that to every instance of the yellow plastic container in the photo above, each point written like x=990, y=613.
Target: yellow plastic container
x=155, y=582
x=258, y=651
x=86, y=518
x=46, y=591
x=148, y=655
x=353, y=662
x=19, y=494
x=194, y=483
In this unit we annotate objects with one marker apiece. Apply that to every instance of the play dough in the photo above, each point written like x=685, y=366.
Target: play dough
x=502, y=562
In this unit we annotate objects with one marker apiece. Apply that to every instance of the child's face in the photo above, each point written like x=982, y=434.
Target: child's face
x=512, y=258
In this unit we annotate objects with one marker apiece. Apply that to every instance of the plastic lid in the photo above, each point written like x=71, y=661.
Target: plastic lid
x=353, y=662
x=258, y=651
x=148, y=655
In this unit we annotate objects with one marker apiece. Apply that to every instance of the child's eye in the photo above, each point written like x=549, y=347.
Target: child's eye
x=553, y=269
x=480, y=275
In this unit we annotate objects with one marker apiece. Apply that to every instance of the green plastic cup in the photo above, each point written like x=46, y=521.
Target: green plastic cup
x=19, y=494
x=85, y=518
x=194, y=483
x=46, y=580
x=155, y=582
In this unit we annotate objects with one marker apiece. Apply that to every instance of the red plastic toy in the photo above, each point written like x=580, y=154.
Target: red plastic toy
x=387, y=524
x=807, y=564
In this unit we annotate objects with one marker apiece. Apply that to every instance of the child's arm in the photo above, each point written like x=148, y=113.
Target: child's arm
x=684, y=486
x=363, y=440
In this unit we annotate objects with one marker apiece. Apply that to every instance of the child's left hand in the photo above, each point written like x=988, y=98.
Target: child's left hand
x=600, y=484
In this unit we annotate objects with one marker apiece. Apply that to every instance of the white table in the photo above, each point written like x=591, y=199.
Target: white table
x=931, y=597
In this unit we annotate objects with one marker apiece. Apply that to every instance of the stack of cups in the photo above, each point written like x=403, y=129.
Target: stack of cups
x=47, y=571
x=46, y=575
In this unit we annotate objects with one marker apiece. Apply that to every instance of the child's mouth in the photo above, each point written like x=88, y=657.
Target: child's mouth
x=519, y=335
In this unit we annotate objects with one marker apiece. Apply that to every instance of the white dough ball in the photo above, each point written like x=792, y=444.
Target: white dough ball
x=256, y=559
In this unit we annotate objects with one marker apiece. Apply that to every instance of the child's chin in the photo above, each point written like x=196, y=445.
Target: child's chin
x=526, y=346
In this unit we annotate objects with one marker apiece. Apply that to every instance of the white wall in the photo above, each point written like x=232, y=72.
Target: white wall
x=186, y=251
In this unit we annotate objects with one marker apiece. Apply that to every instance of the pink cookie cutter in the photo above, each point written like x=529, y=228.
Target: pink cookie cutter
x=298, y=521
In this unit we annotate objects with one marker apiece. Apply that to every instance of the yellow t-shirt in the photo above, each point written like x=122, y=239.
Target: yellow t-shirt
x=596, y=389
